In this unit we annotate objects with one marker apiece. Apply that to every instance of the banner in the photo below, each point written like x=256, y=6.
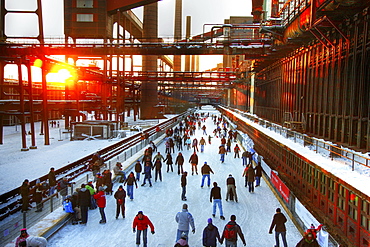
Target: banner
x=280, y=186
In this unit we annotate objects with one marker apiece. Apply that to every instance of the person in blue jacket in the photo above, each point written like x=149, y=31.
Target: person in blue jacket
x=211, y=235
x=147, y=173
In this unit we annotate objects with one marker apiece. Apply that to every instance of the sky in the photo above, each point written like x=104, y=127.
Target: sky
x=160, y=202
x=201, y=11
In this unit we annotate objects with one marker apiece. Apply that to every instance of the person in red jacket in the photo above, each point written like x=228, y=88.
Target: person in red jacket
x=101, y=201
x=141, y=222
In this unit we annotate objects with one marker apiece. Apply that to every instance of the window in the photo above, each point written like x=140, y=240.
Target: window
x=85, y=17
x=85, y=3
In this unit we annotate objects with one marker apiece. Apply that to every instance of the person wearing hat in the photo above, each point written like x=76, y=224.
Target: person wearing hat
x=184, y=219
x=140, y=225
x=22, y=237
x=101, y=201
x=120, y=197
x=231, y=232
x=206, y=173
x=278, y=222
x=308, y=240
x=182, y=242
x=210, y=235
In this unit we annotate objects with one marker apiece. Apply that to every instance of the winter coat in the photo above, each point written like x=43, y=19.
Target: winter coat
x=24, y=190
x=84, y=198
x=221, y=150
x=179, y=160
x=258, y=170
x=193, y=159
x=90, y=189
x=206, y=170
x=20, y=239
x=100, y=199
x=183, y=180
x=278, y=222
x=169, y=159
x=138, y=167
x=308, y=243
x=52, y=178
x=250, y=175
x=117, y=170
x=238, y=232
x=202, y=142
x=230, y=180
x=181, y=243
x=184, y=219
x=157, y=165
x=215, y=193
x=148, y=171
x=158, y=157
x=210, y=235
x=120, y=196
x=63, y=187
x=131, y=180
x=143, y=223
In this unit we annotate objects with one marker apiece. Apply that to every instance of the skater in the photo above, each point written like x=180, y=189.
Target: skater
x=222, y=152
x=194, y=163
x=183, y=186
x=231, y=232
x=279, y=223
x=138, y=170
x=216, y=197
x=209, y=139
x=245, y=157
x=119, y=174
x=169, y=162
x=22, y=237
x=147, y=173
x=236, y=151
x=84, y=200
x=179, y=162
x=120, y=197
x=195, y=145
x=182, y=242
x=130, y=181
x=258, y=173
x=101, y=201
x=141, y=223
x=184, y=219
x=308, y=240
x=211, y=235
x=249, y=177
x=206, y=171
x=202, y=142
x=157, y=170
x=231, y=188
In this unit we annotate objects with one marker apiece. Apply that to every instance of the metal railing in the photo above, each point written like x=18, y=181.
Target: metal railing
x=356, y=161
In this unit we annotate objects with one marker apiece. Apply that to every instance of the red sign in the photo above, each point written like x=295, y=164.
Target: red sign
x=280, y=186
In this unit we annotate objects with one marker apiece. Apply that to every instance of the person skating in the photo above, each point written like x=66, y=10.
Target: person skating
x=249, y=177
x=258, y=173
x=182, y=242
x=231, y=232
x=101, y=201
x=236, y=151
x=222, y=152
x=84, y=200
x=138, y=169
x=183, y=185
x=120, y=175
x=120, y=197
x=215, y=195
x=308, y=240
x=278, y=222
x=206, y=171
x=157, y=167
x=231, y=188
x=147, y=173
x=184, y=220
x=169, y=162
x=194, y=163
x=202, y=142
x=22, y=237
x=210, y=235
x=130, y=181
x=179, y=162
x=140, y=225
x=194, y=145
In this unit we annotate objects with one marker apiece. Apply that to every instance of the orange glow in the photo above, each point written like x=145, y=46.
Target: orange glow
x=37, y=63
x=61, y=76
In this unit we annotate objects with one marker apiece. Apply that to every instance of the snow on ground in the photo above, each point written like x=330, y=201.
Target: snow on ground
x=160, y=203
x=358, y=178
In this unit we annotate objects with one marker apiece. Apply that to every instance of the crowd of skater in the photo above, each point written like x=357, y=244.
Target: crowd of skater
x=93, y=194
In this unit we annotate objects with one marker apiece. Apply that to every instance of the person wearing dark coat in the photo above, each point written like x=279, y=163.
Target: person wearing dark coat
x=52, y=181
x=120, y=197
x=130, y=181
x=183, y=186
x=25, y=192
x=37, y=196
x=231, y=188
x=237, y=229
x=108, y=182
x=258, y=171
x=147, y=173
x=308, y=241
x=279, y=223
x=158, y=170
x=138, y=170
x=179, y=162
x=169, y=162
x=194, y=163
x=211, y=235
x=84, y=201
x=216, y=197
